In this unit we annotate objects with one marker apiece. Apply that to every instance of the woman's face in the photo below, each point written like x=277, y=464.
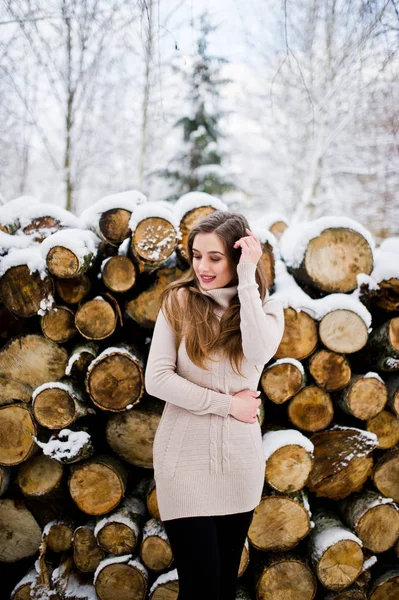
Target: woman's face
x=210, y=259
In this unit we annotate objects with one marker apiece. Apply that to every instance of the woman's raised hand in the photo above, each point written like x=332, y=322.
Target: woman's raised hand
x=244, y=405
x=251, y=248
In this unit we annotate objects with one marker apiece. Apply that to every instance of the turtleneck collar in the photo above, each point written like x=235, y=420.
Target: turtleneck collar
x=222, y=296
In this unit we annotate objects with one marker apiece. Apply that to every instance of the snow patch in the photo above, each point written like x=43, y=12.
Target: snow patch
x=192, y=200
x=273, y=440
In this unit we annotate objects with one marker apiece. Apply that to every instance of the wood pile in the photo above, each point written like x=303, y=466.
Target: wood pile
x=78, y=509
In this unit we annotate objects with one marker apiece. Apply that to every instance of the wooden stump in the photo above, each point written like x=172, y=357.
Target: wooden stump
x=119, y=532
x=59, y=404
x=98, y=485
x=58, y=535
x=165, y=587
x=300, y=335
x=386, y=474
x=20, y=535
x=58, y=324
x=115, y=379
x=23, y=292
x=330, y=370
x=311, y=409
x=279, y=576
x=282, y=380
x=341, y=461
x=21, y=372
x=364, y=397
x=374, y=519
x=289, y=459
x=279, y=522
x=131, y=434
x=118, y=274
x=386, y=587
x=74, y=289
x=343, y=331
x=386, y=427
x=155, y=550
x=123, y=578
x=17, y=432
x=336, y=552
x=87, y=554
x=96, y=319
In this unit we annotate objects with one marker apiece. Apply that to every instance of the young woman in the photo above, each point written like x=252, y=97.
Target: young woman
x=214, y=333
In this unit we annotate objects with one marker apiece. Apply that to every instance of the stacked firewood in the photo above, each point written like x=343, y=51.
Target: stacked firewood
x=78, y=509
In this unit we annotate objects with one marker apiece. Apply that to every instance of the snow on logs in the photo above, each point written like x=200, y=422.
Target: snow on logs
x=77, y=426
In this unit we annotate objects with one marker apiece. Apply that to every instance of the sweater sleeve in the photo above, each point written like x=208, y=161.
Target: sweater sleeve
x=162, y=381
x=262, y=324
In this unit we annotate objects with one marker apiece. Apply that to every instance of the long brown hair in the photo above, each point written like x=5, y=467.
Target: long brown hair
x=190, y=312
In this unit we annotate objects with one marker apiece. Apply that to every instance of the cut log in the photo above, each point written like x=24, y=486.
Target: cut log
x=244, y=560
x=187, y=222
x=58, y=324
x=330, y=370
x=70, y=583
x=98, y=485
x=58, y=535
x=22, y=590
x=119, y=532
x=68, y=447
x=283, y=379
x=386, y=474
x=113, y=225
x=5, y=474
x=165, y=587
x=57, y=404
x=41, y=481
x=25, y=293
x=96, y=319
x=144, y=307
x=383, y=346
x=152, y=503
x=74, y=289
x=385, y=587
x=289, y=459
x=336, y=553
x=17, y=432
x=118, y=273
x=364, y=397
x=386, y=427
x=69, y=257
x=300, y=335
x=341, y=461
x=122, y=577
x=20, y=534
x=154, y=239
x=80, y=359
x=115, y=379
x=20, y=370
x=333, y=259
x=279, y=576
x=392, y=383
x=279, y=521
x=155, y=550
x=131, y=433
x=311, y=409
x=343, y=331
x=87, y=554
x=374, y=519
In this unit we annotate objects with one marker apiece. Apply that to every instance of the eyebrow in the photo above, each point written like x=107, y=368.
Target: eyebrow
x=210, y=252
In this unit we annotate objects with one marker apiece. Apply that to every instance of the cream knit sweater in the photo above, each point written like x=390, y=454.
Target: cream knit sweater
x=206, y=462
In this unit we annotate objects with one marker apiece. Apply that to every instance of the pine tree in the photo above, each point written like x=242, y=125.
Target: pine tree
x=198, y=164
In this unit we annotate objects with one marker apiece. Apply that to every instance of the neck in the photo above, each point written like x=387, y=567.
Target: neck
x=222, y=296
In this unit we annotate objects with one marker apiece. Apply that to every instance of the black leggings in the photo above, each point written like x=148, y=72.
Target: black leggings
x=207, y=552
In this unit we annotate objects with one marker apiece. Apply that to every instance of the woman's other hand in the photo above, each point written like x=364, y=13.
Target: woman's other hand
x=244, y=405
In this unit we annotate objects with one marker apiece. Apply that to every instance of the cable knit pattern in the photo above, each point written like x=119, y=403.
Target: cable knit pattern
x=206, y=462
